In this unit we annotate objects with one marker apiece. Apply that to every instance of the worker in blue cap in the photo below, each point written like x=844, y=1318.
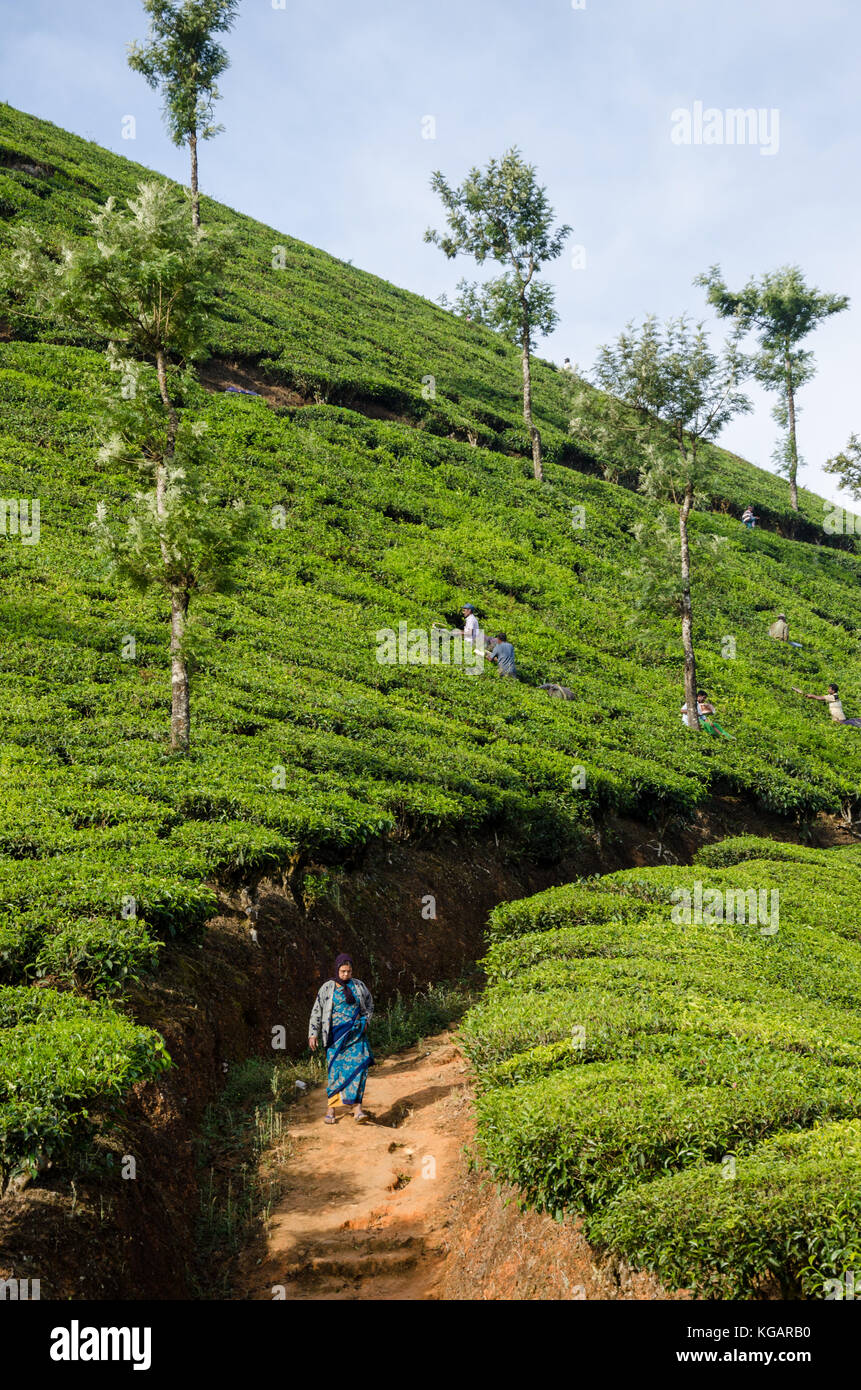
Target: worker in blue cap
x=471, y=630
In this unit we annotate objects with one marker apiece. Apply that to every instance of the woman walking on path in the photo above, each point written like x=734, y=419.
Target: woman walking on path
x=340, y=1016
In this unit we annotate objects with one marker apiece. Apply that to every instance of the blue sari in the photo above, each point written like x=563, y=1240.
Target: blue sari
x=348, y=1055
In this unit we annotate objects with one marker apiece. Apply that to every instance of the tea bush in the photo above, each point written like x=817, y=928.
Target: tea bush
x=787, y=1215
x=689, y=1083
x=336, y=333
x=62, y=1055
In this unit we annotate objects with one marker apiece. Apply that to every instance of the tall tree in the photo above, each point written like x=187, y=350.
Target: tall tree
x=146, y=279
x=847, y=466
x=782, y=310
x=671, y=395
x=175, y=538
x=183, y=59
x=502, y=214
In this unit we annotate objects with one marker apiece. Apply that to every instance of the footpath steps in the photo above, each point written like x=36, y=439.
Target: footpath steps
x=366, y=1205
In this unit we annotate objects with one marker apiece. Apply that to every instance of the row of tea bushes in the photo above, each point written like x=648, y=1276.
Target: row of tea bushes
x=683, y=1070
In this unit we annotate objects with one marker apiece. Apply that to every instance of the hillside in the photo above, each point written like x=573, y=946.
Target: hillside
x=109, y=848
x=338, y=335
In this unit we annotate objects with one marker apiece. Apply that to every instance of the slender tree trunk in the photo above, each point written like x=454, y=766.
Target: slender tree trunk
x=793, y=445
x=687, y=612
x=527, y=408
x=180, y=705
x=195, y=193
x=172, y=431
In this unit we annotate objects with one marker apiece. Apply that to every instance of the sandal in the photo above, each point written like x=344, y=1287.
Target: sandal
x=360, y=1114
x=329, y=1118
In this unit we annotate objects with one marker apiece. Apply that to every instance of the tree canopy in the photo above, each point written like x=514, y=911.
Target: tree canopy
x=145, y=277
x=503, y=214
x=781, y=309
x=184, y=60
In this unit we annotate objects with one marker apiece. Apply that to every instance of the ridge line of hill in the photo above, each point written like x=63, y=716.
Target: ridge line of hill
x=325, y=340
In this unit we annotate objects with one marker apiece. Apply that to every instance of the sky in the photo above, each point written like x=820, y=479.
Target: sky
x=337, y=113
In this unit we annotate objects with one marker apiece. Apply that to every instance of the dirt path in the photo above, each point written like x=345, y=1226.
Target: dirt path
x=366, y=1206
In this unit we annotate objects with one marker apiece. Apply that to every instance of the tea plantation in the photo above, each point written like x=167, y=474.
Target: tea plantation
x=691, y=1087
x=305, y=747
x=331, y=330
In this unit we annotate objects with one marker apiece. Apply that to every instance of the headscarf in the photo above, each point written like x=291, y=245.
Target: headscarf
x=345, y=984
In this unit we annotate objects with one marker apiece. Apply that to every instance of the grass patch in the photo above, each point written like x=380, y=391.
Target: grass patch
x=244, y=1126
x=410, y=1018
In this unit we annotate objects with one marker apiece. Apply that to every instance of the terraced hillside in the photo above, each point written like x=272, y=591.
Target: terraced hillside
x=305, y=747
x=334, y=333
x=682, y=1070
